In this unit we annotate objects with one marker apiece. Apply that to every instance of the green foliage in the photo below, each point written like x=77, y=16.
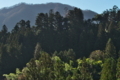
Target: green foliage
x=67, y=40
x=108, y=72
x=53, y=68
x=110, y=50
x=13, y=76
x=118, y=69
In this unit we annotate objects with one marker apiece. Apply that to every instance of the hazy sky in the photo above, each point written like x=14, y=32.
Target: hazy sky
x=95, y=5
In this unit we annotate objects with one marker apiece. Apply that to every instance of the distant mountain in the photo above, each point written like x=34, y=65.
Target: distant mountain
x=11, y=15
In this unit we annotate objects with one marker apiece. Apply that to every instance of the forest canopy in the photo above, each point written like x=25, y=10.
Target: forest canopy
x=62, y=48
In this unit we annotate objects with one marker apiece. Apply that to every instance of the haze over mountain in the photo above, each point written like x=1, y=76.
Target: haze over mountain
x=11, y=15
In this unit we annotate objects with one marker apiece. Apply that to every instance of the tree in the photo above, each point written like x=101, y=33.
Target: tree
x=16, y=28
x=27, y=24
x=84, y=70
x=97, y=55
x=110, y=50
x=108, y=71
x=118, y=69
x=51, y=20
x=98, y=18
x=37, y=51
x=58, y=68
x=40, y=20
x=58, y=22
x=22, y=24
x=4, y=29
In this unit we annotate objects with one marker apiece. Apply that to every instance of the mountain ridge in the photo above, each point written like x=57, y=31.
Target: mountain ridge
x=11, y=15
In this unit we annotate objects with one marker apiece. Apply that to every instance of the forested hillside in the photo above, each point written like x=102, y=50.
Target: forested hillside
x=62, y=48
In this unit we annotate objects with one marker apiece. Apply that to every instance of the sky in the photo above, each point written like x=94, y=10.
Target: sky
x=95, y=5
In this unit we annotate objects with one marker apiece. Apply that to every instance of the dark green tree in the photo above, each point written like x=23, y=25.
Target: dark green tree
x=110, y=50
x=4, y=29
x=15, y=29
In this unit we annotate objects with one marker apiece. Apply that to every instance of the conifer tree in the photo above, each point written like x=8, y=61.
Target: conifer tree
x=58, y=22
x=4, y=29
x=27, y=24
x=118, y=69
x=110, y=50
x=37, y=51
x=16, y=28
x=108, y=71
